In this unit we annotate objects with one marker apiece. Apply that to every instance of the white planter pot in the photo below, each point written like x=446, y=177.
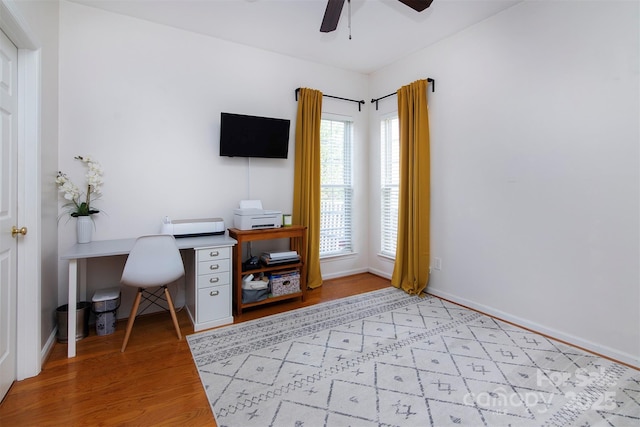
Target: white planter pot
x=84, y=229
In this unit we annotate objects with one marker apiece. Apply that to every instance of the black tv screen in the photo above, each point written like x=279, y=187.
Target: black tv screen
x=252, y=136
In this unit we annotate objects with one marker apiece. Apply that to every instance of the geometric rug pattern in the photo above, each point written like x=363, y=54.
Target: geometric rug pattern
x=386, y=358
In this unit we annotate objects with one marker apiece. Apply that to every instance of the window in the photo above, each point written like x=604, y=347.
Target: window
x=335, y=187
x=390, y=180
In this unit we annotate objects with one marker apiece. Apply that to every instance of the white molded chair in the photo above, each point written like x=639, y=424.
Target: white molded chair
x=154, y=262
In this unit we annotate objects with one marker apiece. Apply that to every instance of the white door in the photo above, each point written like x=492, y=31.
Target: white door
x=8, y=211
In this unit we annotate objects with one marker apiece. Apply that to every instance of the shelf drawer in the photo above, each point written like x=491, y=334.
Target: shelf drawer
x=214, y=266
x=214, y=303
x=215, y=279
x=211, y=254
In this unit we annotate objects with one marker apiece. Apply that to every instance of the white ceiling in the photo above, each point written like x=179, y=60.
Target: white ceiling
x=383, y=31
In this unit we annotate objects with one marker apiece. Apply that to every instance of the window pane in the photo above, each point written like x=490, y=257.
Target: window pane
x=335, y=220
x=336, y=190
x=390, y=178
x=332, y=153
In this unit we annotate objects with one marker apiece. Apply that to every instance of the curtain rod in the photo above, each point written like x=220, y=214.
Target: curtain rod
x=360, y=103
x=429, y=80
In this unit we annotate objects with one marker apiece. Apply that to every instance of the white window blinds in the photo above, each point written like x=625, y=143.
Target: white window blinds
x=390, y=180
x=336, y=187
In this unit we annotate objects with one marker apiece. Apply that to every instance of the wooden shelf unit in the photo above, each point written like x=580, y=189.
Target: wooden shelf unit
x=297, y=235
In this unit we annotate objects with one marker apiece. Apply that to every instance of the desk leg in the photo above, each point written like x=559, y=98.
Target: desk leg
x=71, y=320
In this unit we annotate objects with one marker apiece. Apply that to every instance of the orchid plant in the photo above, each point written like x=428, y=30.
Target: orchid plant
x=80, y=203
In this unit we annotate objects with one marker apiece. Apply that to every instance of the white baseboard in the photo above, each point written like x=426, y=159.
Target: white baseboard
x=379, y=273
x=344, y=273
x=48, y=346
x=590, y=346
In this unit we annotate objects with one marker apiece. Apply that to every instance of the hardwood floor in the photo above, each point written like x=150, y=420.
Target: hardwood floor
x=153, y=383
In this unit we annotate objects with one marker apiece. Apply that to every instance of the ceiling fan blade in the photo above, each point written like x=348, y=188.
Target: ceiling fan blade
x=417, y=5
x=331, y=16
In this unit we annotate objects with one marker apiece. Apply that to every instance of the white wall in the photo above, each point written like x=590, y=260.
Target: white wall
x=535, y=168
x=145, y=101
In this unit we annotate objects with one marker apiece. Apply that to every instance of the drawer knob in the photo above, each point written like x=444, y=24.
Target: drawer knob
x=214, y=293
x=214, y=253
x=214, y=267
x=214, y=280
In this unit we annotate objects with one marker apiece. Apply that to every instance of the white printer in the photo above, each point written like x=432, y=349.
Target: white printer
x=251, y=216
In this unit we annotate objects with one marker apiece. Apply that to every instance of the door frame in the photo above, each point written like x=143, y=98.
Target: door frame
x=28, y=323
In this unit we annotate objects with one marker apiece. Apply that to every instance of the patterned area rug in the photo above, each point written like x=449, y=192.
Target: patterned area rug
x=385, y=358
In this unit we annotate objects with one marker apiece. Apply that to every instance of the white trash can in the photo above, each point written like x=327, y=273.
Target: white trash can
x=105, y=306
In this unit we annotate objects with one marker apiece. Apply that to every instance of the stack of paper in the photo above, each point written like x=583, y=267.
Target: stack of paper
x=274, y=258
x=281, y=255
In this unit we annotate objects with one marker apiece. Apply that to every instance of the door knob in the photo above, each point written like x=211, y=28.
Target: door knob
x=15, y=231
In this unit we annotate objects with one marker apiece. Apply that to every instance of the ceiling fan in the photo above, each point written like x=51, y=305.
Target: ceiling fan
x=334, y=9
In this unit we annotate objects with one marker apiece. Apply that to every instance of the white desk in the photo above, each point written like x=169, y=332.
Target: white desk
x=80, y=252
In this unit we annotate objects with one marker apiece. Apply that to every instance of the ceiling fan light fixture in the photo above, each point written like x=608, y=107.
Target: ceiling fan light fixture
x=334, y=10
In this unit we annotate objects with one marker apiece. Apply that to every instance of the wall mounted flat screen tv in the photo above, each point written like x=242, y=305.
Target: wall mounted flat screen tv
x=253, y=136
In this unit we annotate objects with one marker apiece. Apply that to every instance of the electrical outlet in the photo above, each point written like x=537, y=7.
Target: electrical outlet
x=437, y=263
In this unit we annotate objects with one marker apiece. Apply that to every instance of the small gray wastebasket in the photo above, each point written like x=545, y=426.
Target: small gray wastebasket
x=82, y=321
x=105, y=306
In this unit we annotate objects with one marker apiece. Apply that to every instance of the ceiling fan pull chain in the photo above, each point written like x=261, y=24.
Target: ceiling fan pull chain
x=349, y=1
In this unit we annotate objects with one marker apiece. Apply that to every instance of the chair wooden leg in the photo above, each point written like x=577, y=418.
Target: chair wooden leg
x=132, y=318
x=173, y=312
